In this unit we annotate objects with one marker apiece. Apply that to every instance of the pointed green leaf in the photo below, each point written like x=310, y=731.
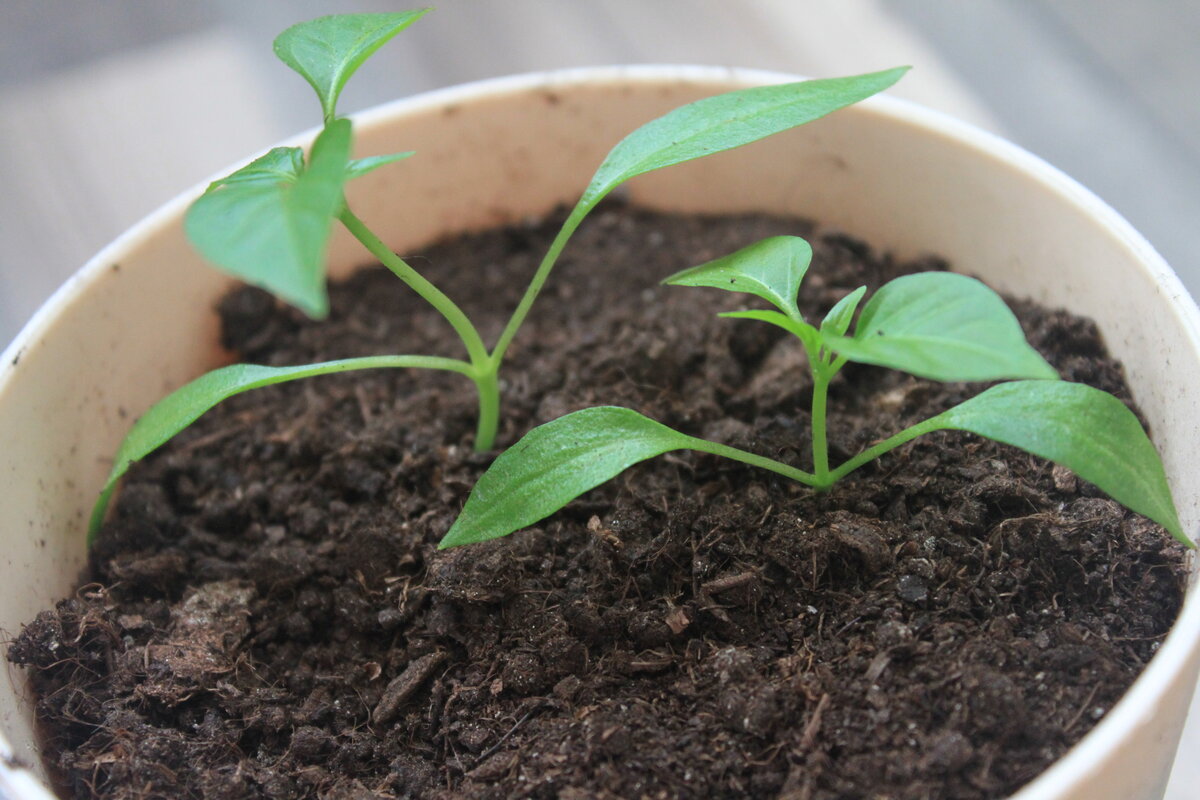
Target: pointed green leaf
x=837, y=321
x=771, y=269
x=326, y=51
x=272, y=229
x=280, y=164
x=1086, y=430
x=186, y=404
x=727, y=121
x=802, y=330
x=555, y=463
x=942, y=326
x=361, y=166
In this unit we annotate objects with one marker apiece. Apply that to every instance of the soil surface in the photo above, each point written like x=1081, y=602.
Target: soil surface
x=268, y=616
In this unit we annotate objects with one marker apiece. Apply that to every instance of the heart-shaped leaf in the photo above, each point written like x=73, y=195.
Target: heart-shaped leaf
x=1084, y=429
x=771, y=269
x=186, y=404
x=326, y=51
x=271, y=227
x=555, y=463
x=942, y=326
x=727, y=121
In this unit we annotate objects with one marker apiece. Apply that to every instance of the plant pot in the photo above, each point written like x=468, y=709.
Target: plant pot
x=137, y=320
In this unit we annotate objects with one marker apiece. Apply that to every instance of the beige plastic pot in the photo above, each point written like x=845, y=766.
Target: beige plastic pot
x=137, y=320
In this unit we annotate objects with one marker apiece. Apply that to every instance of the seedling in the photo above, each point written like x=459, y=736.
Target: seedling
x=269, y=222
x=935, y=325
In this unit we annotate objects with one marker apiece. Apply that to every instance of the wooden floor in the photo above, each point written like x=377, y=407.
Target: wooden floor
x=109, y=107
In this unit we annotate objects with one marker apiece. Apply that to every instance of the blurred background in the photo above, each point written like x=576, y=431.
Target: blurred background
x=110, y=108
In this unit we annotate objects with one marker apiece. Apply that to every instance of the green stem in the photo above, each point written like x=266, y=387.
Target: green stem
x=419, y=284
x=891, y=443
x=753, y=460
x=184, y=406
x=488, y=385
x=539, y=279
x=819, y=443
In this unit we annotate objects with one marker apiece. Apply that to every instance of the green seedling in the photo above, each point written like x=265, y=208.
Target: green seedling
x=935, y=325
x=269, y=222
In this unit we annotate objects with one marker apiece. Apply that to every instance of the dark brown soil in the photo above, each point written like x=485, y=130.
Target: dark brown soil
x=269, y=617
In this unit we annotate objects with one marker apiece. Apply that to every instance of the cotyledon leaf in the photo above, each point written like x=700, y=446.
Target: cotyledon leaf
x=771, y=268
x=555, y=463
x=705, y=127
x=942, y=326
x=1084, y=429
x=271, y=227
x=326, y=51
x=361, y=166
x=727, y=121
x=186, y=404
x=279, y=164
x=802, y=330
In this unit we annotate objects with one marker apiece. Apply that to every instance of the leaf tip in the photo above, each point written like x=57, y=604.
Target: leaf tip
x=453, y=537
x=316, y=307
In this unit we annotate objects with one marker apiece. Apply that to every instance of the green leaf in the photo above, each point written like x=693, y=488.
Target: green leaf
x=186, y=404
x=1086, y=430
x=771, y=269
x=555, y=463
x=942, y=326
x=280, y=164
x=326, y=51
x=802, y=330
x=361, y=166
x=270, y=227
x=837, y=321
x=727, y=121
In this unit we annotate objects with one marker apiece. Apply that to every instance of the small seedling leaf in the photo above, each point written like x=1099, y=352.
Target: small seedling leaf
x=838, y=320
x=555, y=463
x=279, y=165
x=1086, y=430
x=326, y=51
x=186, y=404
x=802, y=330
x=270, y=227
x=942, y=326
x=361, y=166
x=771, y=269
x=727, y=121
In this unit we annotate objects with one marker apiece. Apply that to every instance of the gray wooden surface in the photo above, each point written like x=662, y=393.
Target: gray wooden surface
x=110, y=107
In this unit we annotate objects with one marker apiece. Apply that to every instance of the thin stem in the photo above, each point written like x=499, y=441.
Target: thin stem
x=539, y=280
x=488, y=384
x=819, y=443
x=173, y=415
x=419, y=284
x=753, y=460
x=891, y=443
x=367, y=362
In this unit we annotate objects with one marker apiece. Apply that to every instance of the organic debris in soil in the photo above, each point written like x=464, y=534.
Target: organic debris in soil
x=270, y=618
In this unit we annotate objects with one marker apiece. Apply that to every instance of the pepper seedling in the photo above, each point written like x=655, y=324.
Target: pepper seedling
x=269, y=222
x=936, y=325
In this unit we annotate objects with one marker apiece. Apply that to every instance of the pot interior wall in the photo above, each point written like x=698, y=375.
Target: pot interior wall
x=137, y=321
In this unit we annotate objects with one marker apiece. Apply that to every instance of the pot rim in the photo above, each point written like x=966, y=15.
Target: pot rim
x=1135, y=707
